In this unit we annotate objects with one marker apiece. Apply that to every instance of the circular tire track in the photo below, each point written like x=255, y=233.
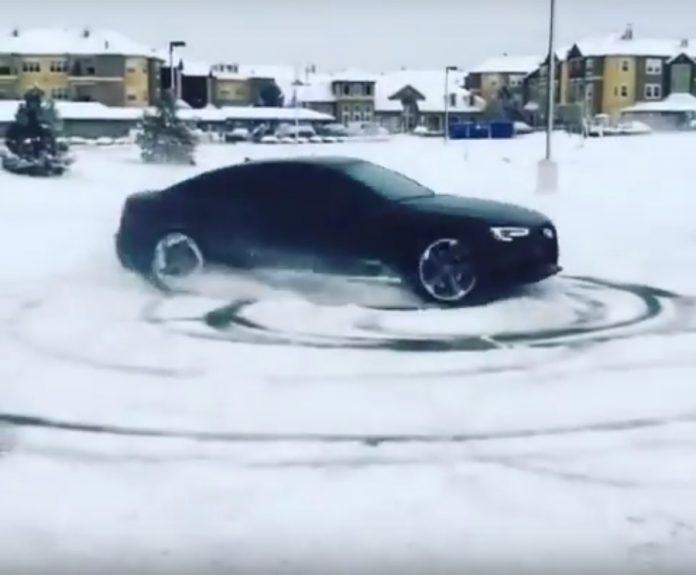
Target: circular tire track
x=657, y=311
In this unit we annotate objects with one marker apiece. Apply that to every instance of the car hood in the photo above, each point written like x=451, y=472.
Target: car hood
x=486, y=211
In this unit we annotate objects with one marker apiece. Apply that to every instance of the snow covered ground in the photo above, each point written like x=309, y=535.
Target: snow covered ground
x=553, y=431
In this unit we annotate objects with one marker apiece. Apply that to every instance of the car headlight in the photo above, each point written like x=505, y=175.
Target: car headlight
x=509, y=234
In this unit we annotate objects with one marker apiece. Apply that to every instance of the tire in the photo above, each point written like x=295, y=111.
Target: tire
x=444, y=271
x=175, y=256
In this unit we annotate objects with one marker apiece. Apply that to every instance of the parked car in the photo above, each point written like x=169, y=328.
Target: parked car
x=335, y=214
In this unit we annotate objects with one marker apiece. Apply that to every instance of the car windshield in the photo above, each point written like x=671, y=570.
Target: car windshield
x=385, y=182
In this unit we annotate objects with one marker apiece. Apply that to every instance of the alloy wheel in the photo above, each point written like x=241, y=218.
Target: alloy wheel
x=446, y=271
x=176, y=256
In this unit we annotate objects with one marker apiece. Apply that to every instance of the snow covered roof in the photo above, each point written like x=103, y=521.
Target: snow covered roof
x=253, y=113
x=76, y=111
x=430, y=83
x=260, y=113
x=86, y=41
x=508, y=65
x=615, y=45
x=688, y=51
x=679, y=102
x=195, y=68
x=353, y=75
x=317, y=91
x=97, y=111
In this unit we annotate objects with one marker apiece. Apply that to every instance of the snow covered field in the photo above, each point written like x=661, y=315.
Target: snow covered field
x=550, y=432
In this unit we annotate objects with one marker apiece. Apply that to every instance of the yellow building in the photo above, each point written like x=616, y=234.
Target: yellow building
x=78, y=65
x=610, y=73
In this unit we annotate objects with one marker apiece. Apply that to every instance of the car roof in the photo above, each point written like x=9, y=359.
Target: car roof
x=314, y=160
x=328, y=161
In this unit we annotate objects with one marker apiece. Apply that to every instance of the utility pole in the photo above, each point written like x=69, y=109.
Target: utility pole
x=172, y=82
x=547, y=175
x=445, y=130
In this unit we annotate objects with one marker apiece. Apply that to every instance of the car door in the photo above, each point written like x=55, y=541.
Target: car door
x=306, y=212
x=220, y=209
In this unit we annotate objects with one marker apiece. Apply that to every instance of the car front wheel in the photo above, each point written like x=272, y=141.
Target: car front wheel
x=446, y=272
x=176, y=256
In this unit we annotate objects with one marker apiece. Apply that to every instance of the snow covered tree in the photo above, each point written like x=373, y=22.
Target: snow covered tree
x=164, y=137
x=33, y=148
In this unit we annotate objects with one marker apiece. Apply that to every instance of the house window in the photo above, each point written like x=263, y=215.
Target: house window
x=346, y=89
x=90, y=71
x=132, y=97
x=58, y=66
x=31, y=67
x=357, y=89
x=59, y=93
x=624, y=91
x=131, y=70
x=453, y=99
x=653, y=66
x=368, y=89
x=625, y=65
x=653, y=92
x=5, y=70
x=589, y=67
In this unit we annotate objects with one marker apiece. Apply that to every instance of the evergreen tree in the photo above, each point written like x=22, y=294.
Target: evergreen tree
x=31, y=139
x=164, y=137
x=271, y=96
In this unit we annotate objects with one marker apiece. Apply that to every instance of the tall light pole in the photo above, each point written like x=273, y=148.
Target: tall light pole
x=448, y=69
x=548, y=169
x=173, y=44
x=295, y=85
x=551, y=87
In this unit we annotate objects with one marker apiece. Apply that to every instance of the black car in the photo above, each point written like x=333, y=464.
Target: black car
x=334, y=214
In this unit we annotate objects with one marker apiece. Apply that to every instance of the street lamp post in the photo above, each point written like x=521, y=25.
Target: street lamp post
x=448, y=69
x=548, y=169
x=173, y=44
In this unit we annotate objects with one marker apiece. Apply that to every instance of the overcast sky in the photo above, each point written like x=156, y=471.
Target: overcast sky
x=373, y=34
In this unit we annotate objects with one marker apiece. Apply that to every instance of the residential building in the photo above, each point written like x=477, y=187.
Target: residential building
x=535, y=89
x=88, y=65
x=192, y=80
x=229, y=86
x=399, y=101
x=408, y=99
x=238, y=85
x=349, y=96
x=610, y=73
x=508, y=72
x=680, y=77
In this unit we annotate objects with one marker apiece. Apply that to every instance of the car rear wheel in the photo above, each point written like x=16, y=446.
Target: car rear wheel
x=176, y=256
x=446, y=272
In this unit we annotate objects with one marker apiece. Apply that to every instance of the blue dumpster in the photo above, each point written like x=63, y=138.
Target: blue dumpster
x=499, y=130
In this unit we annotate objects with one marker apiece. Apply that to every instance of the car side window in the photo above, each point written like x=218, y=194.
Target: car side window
x=316, y=190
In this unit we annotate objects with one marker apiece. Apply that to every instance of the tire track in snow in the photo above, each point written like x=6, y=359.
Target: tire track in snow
x=29, y=421
x=13, y=329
